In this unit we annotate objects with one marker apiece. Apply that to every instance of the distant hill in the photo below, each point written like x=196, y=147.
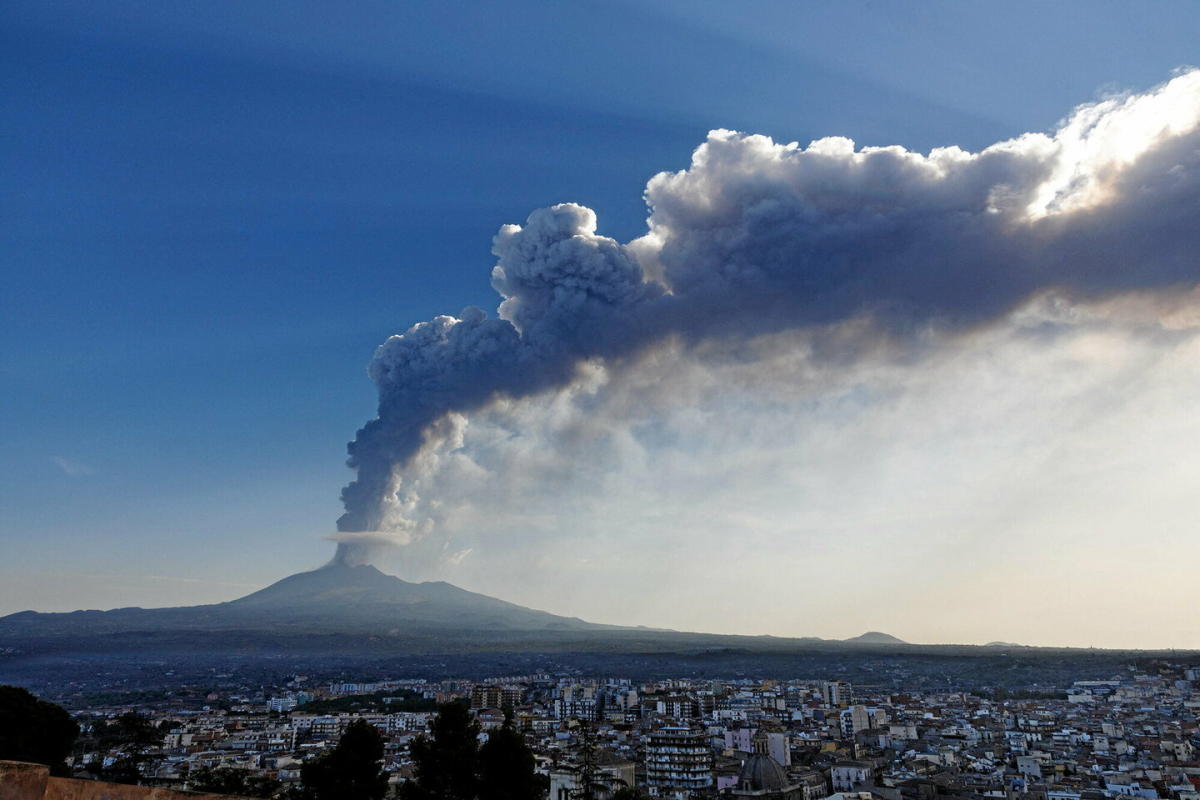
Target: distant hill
x=341, y=620
x=1004, y=644
x=339, y=611
x=345, y=610
x=875, y=637
x=333, y=599
x=364, y=593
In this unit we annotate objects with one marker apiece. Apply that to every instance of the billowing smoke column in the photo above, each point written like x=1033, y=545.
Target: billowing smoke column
x=569, y=295
x=757, y=237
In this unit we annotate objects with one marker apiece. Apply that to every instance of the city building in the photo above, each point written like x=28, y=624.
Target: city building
x=678, y=761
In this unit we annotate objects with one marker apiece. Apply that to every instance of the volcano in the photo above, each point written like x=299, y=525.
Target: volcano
x=359, y=611
x=335, y=599
x=366, y=595
x=347, y=620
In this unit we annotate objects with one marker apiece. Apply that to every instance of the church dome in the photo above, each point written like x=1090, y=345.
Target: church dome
x=762, y=773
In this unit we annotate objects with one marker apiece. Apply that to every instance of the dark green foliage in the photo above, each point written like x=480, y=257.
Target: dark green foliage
x=446, y=763
x=131, y=732
x=506, y=767
x=591, y=784
x=227, y=780
x=407, y=701
x=126, y=697
x=351, y=770
x=1000, y=694
x=450, y=764
x=293, y=791
x=131, y=735
x=34, y=730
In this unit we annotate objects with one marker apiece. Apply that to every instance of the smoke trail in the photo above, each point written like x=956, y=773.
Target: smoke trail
x=757, y=237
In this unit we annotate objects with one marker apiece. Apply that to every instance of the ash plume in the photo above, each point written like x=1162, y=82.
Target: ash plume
x=757, y=237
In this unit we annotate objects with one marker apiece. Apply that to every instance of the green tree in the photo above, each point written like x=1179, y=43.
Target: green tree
x=134, y=732
x=132, y=735
x=35, y=730
x=351, y=770
x=507, y=767
x=228, y=780
x=447, y=762
x=591, y=783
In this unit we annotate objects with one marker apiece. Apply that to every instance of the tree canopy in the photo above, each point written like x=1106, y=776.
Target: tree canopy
x=35, y=730
x=351, y=770
x=446, y=762
x=450, y=764
x=228, y=780
x=131, y=735
x=507, y=767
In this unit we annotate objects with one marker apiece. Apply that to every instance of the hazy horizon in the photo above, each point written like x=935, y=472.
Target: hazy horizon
x=249, y=589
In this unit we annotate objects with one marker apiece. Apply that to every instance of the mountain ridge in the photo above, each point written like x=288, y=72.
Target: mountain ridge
x=874, y=637
x=336, y=598
x=342, y=612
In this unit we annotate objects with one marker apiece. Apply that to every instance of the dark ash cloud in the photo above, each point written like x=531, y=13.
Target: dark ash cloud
x=757, y=237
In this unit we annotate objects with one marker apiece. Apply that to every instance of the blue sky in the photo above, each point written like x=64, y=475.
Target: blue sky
x=215, y=212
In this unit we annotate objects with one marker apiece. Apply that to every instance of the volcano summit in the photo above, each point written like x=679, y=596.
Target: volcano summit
x=336, y=598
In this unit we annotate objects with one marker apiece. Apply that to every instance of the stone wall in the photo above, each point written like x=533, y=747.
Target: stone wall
x=20, y=781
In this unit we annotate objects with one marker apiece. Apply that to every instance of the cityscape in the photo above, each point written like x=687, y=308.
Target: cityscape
x=1134, y=734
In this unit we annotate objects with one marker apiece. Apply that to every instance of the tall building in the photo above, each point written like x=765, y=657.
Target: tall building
x=679, y=707
x=282, y=704
x=860, y=718
x=678, y=762
x=837, y=694
x=495, y=697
